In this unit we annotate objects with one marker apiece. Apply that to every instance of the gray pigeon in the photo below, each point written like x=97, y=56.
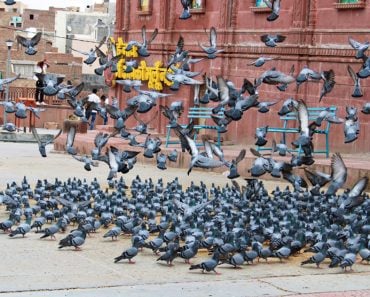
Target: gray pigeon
x=338, y=174
x=359, y=47
x=260, y=135
x=9, y=2
x=21, y=229
x=212, y=50
x=208, y=265
x=4, y=81
x=348, y=261
x=131, y=252
x=30, y=44
x=366, y=108
x=357, y=92
x=329, y=82
x=142, y=46
x=261, y=61
x=42, y=143
x=316, y=259
x=272, y=40
x=128, y=84
x=161, y=161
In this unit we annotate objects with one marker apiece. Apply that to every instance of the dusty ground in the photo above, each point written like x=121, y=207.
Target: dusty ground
x=34, y=267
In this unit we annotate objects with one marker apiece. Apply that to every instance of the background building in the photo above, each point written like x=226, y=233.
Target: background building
x=317, y=36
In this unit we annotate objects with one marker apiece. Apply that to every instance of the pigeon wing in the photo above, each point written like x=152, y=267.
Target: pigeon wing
x=35, y=39
x=213, y=37
x=359, y=187
x=339, y=170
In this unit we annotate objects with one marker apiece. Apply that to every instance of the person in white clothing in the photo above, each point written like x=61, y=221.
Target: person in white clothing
x=92, y=98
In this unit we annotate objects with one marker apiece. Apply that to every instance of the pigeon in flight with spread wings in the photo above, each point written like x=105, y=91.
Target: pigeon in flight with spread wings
x=4, y=81
x=9, y=2
x=357, y=92
x=338, y=174
x=359, y=47
x=212, y=50
x=142, y=46
x=91, y=54
x=30, y=44
x=43, y=143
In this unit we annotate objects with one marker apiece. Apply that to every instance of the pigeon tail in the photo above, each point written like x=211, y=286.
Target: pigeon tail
x=350, y=137
x=357, y=92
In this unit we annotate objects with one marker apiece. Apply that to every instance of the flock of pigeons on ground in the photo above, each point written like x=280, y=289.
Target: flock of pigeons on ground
x=236, y=224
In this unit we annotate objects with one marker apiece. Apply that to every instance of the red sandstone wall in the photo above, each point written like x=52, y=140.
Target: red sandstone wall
x=317, y=36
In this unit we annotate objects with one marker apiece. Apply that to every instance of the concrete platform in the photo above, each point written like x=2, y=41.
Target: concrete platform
x=358, y=164
x=33, y=267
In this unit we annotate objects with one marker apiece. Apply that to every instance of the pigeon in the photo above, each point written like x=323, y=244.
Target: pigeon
x=142, y=47
x=359, y=47
x=365, y=70
x=307, y=74
x=114, y=232
x=279, y=147
x=151, y=146
x=208, y=265
x=260, y=135
x=275, y=6
x=212, y=50
x=43, y=143
x=351, y=130
x=186, y=4
x=329, y=82
x=235, y=260
x=271, y=40
x=131, y=252
x=6, y=225
x=161, y=161
x=354, y=196
x=51, y=82
x=365, y=255
x=170, y=254
x=128, y=85
x=88, y=162
x=21, y=229
x=264, y=107
x=70, y=140
x=338, y=174
x=288, y=106
x=4, y=81
x=172, y=156
x=73, y=240
x=10, y=127
x=70, y=90
x=357, y=92
x=107, y=63
x=101, y=139
x=30, y=44
x=366, y=108
x=261, y=61
x=317, y=177
x=143, y=126
x=9, y=2
x=348, y=261
x=130, y=65
x=317, y=259
x=91, y=54
x=179, y=55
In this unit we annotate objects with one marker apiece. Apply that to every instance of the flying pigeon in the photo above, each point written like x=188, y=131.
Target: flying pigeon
x=212, y=50
x=142, y=47
x=43, y=143
x=271, y=40
x=29, y=44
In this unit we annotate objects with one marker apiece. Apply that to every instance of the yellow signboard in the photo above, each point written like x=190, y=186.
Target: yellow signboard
x=155, y=75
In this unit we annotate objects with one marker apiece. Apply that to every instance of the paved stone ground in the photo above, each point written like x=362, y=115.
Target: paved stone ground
x=34, y=267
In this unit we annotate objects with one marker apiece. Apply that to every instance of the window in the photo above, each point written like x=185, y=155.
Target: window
x=144, y=7
x=197, y=4
x=25, y=68
x=260, y=3
x=350, y=4
x=31, y=16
